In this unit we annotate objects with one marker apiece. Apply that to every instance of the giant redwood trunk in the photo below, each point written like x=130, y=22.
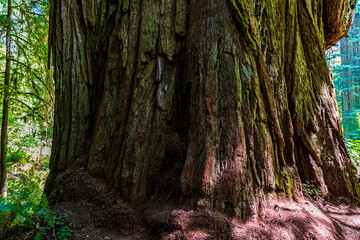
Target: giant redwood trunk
x=222, y=103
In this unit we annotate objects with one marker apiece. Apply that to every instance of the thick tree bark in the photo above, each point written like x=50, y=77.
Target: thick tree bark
x=5, y=115
x=222, y=102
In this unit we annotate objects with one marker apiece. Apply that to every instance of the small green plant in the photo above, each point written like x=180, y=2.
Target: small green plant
x=311, y=189
x=64, y=233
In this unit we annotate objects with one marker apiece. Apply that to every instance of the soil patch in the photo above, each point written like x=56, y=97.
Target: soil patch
x=95, y=212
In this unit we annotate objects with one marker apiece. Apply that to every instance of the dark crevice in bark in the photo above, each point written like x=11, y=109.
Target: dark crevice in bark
x=128, y=108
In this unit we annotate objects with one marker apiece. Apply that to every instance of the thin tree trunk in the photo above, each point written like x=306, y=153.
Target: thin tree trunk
x=349, y=83
x=4, y=128
x=221, y=103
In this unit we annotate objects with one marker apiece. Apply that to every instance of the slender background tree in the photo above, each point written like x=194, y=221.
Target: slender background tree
x=5, y=116
x=344, y=59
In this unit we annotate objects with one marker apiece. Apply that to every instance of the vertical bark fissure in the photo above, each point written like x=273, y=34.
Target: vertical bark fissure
x=132, y=88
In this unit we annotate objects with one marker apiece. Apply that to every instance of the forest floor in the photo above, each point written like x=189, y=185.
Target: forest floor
x=95, y=212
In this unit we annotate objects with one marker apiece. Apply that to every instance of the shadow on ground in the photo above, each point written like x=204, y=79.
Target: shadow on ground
x=95, y=212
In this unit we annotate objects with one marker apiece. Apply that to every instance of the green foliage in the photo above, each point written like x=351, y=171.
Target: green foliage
x=30, y=120
x=354, y=149
x=64, y=231
x=32, y=87
x=35, y=216
x=27, y=205
x=344, y=61
x=311, y=189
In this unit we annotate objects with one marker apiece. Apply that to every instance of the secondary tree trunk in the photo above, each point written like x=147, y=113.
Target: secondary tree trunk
x=221, y=102
x=5, y=116
x=349, y=83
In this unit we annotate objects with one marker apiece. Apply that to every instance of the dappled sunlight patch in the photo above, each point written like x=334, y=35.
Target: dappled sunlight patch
x=279, y=220
x=343, y=215
x=287, y=220
x=198, y=234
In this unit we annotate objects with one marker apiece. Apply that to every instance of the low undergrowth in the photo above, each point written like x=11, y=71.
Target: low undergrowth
x=23, y=217
x=25, y=213
x=354, y=149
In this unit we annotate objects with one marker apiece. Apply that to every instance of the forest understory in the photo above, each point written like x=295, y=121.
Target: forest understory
x=95, y=212
x=179, y=119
